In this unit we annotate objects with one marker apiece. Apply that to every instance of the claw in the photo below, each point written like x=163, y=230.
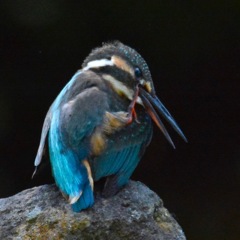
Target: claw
x=131, y=109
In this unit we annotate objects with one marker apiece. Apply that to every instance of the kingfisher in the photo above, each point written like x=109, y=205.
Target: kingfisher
x=101, y=123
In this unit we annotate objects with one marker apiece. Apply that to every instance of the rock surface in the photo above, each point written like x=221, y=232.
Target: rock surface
x=136, y=212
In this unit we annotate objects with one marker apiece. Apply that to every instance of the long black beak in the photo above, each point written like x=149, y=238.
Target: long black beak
x=150, y=102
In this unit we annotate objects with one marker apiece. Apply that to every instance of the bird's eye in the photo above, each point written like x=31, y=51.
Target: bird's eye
x=138, y=72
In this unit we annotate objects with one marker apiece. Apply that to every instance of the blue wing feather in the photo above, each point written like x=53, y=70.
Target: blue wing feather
x=72, y=124
x=70, y=175
x=119, y=165
x=108, y=164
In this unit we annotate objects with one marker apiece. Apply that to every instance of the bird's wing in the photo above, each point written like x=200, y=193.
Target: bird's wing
x=80, y=86
x=81, y=115
x=121, y=159
x=71, y=126
x=47, y=122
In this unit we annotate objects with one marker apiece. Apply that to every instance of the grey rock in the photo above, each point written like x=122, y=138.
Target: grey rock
x=134, y=213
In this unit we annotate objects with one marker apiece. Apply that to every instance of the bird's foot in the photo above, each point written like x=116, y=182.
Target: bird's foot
x=132, y=115
x=131, y=109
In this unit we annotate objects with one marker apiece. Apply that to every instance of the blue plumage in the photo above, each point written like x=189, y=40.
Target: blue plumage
x=100, y=124
x=69, y=173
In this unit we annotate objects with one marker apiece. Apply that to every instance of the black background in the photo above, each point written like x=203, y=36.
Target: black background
x=193, y=50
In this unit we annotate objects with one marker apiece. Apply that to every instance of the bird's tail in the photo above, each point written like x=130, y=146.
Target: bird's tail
x=85, y=201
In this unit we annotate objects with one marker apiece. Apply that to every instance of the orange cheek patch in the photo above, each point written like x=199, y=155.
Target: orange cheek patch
x=122, y=64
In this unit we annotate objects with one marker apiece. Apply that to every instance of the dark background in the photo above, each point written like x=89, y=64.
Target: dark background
x=193, y=50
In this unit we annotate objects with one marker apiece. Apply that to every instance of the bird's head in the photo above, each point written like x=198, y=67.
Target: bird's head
x=128, y=73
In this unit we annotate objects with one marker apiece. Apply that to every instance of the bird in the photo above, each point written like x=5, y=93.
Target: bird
x=100, y=124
